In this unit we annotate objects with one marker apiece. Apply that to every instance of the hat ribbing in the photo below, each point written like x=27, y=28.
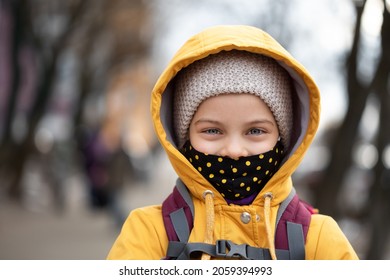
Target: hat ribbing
x=234, y=72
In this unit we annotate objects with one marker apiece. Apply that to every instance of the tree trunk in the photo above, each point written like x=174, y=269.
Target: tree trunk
x=379, y=202
x=341, y=147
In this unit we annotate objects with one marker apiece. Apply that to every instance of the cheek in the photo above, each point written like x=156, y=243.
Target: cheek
x=264, y=147
x=206, y=148
x=203, y=145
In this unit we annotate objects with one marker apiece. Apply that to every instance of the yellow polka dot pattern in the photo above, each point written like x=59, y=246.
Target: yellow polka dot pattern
x=236, y=179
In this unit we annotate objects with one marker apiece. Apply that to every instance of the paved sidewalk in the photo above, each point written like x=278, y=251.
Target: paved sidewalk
x=78, y=233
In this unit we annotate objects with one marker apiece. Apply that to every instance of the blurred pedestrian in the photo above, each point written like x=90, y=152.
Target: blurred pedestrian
x=99, y=165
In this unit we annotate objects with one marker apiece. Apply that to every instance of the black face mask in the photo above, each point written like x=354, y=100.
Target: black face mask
x=236, y=179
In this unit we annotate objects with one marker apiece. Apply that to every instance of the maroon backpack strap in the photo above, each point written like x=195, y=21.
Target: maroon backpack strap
x=292, y=211
x=293, y=222
x=176, y=208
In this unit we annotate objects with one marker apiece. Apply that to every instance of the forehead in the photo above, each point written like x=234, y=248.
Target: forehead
x=231, y=105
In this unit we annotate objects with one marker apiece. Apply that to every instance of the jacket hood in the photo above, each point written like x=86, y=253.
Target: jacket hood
x=246, y=38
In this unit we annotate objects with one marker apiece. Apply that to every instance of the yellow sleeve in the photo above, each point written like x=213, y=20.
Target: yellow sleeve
x=326, y=241
x=143, y=236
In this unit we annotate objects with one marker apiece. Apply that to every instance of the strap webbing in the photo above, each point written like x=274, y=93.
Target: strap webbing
x=284, y=205
x=185, y=194
x=223, y=249
x=180, y=225
x=296, y=241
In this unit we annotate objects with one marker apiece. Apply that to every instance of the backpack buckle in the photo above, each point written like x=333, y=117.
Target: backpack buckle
x=228, y=249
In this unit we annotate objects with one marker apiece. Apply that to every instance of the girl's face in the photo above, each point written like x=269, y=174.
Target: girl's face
x=233, y=125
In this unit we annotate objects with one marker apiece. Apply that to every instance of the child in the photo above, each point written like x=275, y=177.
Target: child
x=235, y=114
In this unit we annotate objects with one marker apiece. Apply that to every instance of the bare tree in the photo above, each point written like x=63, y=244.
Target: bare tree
x=328, y=189
x=378, y=205
x=13, y=154
x=103, y=35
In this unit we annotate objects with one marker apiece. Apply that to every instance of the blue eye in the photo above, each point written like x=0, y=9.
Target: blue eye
x=255, y=131
x=212, y=131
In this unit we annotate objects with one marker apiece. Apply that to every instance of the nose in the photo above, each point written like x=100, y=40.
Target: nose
x=234, y=148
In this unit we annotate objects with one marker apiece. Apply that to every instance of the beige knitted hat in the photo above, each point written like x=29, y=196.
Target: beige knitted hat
x=233, y=72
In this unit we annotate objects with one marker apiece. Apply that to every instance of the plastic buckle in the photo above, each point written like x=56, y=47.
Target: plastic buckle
x=228, y=249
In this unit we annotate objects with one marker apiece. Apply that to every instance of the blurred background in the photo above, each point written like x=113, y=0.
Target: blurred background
x=77, y=147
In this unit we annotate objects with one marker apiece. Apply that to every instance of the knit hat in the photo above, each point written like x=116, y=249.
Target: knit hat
x=235, y=72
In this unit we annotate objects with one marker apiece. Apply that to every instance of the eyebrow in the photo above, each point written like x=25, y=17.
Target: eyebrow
x=253, y=122
x=207, y=121
x=260, y=121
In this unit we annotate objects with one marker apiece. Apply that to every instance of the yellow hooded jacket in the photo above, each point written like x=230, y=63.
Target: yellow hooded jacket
x=143, y=235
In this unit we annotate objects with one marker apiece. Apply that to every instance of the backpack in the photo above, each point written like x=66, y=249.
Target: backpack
x=293, y=220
